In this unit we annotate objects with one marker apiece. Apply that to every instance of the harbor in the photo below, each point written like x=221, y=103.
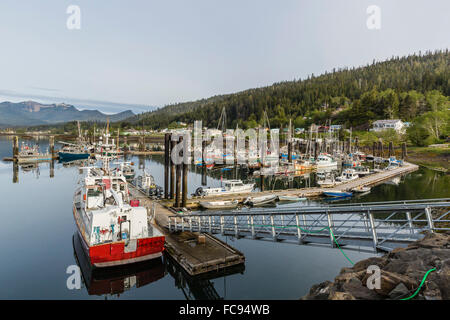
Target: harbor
x=236, y=281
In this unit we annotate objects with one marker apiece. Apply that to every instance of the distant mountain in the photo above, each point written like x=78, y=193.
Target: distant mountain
x=31, y=113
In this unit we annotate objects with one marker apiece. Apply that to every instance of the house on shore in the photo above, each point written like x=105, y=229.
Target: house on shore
x=381, y=125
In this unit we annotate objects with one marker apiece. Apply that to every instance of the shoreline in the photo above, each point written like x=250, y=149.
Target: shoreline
x=401, y=273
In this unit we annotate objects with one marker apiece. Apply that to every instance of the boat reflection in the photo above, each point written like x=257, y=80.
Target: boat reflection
x=200, y=287
x=116, y=280
x=119, y=279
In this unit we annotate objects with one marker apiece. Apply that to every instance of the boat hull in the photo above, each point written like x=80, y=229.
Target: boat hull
x=213, y=205
x=337, y=194
x=64, y=156
x=114, y=253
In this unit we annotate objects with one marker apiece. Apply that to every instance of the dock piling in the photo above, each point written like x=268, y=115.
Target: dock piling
x=172, y=170
x=166, y=164
x=15, y=147
x=185, y=185
x=178, y=182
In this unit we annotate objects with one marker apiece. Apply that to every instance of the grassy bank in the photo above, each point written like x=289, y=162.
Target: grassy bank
x=436, y=158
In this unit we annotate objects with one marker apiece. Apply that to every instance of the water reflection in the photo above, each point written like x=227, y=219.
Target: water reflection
x=114, y=281
x=200, y=287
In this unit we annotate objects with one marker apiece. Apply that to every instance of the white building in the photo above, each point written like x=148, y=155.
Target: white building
x=397, y=125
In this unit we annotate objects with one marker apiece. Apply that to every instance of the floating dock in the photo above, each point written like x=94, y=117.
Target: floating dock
x=369, y=180
x=196, y=253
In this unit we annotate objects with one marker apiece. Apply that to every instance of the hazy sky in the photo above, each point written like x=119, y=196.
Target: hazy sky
x=153, y=53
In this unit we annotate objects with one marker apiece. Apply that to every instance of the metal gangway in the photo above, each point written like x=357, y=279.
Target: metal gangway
x=375, y=225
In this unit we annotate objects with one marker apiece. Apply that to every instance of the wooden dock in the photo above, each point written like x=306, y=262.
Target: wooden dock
x=369, y=180
x=196, y=253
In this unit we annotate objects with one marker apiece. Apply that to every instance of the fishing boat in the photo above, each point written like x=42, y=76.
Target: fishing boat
x=290, y=199
x=361, y=189
x=29, y=154
x=71, y=152
x=230, y=187
x=362, y=171
x=328, y=183
x=115, y=281
x=337, y=193
x=127, y=170
x=324, y=160
x=146, y=184
x=114, y=228
x=262, y=200
x=231, y=204
x=348, y=175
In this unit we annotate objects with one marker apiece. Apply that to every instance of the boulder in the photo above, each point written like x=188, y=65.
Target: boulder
x=402, y=271
x=399, y=292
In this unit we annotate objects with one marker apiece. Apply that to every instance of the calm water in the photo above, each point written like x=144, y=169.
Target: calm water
x=37, y=229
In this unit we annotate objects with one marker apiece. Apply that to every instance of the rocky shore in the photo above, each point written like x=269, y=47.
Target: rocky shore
x=402, y=271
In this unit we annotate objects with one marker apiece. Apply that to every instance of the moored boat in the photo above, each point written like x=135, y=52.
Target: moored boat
x=230, y=187
x=290, y=199
x=361, y=189
x=231, y=204
x=337, y=193
x=325, y=160
x=262, y=200
x=71, y=152
x=114, y=229
x=348, y=175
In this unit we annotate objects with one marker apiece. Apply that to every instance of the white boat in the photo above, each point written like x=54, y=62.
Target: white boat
x=324, y=160
x=361, y=189
x=231, y=204
x=262, y=200
x=230, y=187
x=328, y=183
x=363, y=171
x=146, y=184
x=29, y=154
x=114, y=228
x=290, y=199
x=348, y=175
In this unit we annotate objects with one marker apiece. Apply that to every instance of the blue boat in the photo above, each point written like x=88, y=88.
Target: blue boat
x=68, y=156
x=335, y=193
x=71, y=152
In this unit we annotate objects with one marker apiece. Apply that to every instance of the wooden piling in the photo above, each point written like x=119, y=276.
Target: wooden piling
x=15, y=147
x=374, y=148
x=391, y=149
x=166, y=164
x=289, y=151
x=172, y=169
x=51, y=142
x=185, y=185
x=178, y=179
x=52, y=168
x=15, y=172
x=204, y=181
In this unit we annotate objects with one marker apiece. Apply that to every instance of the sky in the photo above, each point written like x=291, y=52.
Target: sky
x=142, y=54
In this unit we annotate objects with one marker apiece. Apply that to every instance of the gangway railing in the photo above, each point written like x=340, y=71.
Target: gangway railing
x=378, y=225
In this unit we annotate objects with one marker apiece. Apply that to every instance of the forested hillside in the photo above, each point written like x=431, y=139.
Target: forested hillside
x=402, y=87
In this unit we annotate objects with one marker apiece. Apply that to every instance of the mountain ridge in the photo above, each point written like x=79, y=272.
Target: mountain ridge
x=32, y=113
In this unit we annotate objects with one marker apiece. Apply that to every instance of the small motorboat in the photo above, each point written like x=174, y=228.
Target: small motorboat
x=337, y=193
x=262, y=200
x=230, y=187
x=361, y=189
x=348, y=175
x=231, y=204
x=290, y=199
